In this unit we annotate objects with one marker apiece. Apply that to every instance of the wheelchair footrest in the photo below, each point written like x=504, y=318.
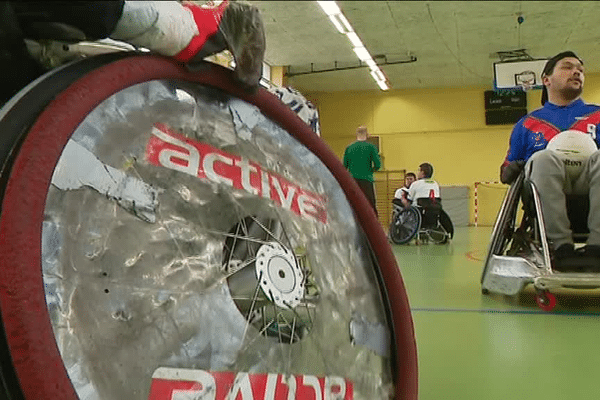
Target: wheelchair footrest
x=574, y=280
x=509, y=275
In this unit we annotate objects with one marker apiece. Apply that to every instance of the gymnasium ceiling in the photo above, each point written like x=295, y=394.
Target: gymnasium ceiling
x=455, y=42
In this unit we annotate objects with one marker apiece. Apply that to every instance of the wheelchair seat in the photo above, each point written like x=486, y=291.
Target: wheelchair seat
x=431, y=209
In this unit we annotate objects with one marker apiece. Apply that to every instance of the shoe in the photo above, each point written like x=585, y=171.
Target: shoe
x=565, y=251
x=591, y=253
x=240, y=29
x=567, y=259
x=564, y=257
x=591, y=250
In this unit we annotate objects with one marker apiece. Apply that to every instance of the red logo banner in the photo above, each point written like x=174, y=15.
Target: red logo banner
x=174, y=151
x=182, y=384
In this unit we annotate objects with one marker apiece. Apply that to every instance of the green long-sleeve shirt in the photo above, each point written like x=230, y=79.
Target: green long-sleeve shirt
x=361, y=159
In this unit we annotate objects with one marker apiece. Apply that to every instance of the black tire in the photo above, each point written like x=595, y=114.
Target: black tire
x=37, y=137
x=16, y=118
x=405, y=225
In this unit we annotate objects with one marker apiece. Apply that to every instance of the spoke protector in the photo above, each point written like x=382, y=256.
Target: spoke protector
x=185, y=235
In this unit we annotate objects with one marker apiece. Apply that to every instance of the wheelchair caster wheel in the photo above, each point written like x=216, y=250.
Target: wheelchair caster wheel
x=545, y=300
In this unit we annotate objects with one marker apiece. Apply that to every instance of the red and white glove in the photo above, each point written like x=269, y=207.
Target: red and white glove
x=207, y=20
x=189, y=32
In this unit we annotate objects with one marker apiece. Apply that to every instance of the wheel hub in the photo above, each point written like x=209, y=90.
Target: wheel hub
x=279, y=275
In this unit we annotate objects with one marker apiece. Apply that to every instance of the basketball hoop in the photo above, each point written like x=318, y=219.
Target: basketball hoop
x=526, y=87
x=525, y=79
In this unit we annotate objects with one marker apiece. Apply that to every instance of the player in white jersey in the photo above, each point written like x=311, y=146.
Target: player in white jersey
x=424, y=188
x=409, y=178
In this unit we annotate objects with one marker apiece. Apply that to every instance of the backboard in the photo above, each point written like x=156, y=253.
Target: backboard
x=519, y=74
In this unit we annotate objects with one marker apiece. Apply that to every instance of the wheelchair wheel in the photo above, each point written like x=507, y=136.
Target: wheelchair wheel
x=16, y=118
x=405, y=225
x=545, y=300
x=161, y=227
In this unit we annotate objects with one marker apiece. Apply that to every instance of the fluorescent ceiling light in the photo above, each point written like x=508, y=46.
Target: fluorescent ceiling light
x=330, y=7
x=345, y=22
x=382, y=85
x=354, y=39
x=343, y=26
x=377, y=74
x=362, y=53
x=371, y=63
x=341, y=23
x=337, y=23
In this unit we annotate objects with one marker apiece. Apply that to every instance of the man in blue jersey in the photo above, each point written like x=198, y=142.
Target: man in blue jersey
x=563, y=79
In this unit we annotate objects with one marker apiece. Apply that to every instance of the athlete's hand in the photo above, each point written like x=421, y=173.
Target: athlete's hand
x=510, y=173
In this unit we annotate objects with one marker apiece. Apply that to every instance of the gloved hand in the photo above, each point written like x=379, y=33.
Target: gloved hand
x=189, y=32
x=237, y=27
x=510, y=173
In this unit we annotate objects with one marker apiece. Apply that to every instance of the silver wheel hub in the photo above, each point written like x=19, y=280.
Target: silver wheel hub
x=279, y=275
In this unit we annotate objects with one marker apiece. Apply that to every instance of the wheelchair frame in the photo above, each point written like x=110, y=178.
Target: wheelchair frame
x=519, y=256
x=407, y=223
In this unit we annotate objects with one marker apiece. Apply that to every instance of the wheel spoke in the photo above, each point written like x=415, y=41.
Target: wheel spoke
x=249, y=315
x=240, y=267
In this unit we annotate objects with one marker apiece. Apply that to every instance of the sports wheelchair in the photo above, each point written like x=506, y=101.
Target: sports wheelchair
x=97, y=144
x=426, y=220
x=521, y=255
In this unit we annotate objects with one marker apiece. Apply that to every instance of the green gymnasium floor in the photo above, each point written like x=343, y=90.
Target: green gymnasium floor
x=488, y=347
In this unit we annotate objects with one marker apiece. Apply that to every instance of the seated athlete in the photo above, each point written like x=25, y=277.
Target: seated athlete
x=401, y=193
x=552, y=173
x=425, y=192
x=424, y=187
